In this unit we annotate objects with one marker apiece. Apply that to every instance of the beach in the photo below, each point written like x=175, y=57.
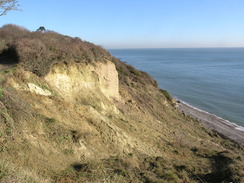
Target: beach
x=223, y=127
x=210, y=79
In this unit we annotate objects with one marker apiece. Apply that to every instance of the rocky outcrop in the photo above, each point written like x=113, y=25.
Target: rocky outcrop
x=75, y=80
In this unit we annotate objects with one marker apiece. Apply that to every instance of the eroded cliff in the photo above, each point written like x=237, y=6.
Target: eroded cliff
x=91, y=118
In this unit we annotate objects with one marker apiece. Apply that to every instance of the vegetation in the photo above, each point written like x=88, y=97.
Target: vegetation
x=7, y=5
x=167, y=95
x=90, y=137
x=1, y=92
x=38, y=51
x=42, y=29
x=10, y=173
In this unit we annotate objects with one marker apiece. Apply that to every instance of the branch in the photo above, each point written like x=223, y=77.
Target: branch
x=7, y=5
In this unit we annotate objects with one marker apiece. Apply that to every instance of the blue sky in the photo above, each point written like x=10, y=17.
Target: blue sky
x=138, y=23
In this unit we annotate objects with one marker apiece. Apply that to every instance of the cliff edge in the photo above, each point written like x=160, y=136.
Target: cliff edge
x=71, y=112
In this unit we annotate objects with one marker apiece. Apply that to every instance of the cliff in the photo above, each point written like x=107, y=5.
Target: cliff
x=71, y=112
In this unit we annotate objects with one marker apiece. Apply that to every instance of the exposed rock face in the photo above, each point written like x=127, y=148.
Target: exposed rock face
x=38, y=90
x=76, y=80
x=108, y=79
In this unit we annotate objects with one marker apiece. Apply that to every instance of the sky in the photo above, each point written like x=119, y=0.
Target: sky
x=137, y=23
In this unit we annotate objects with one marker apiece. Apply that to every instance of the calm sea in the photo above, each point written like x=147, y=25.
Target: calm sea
x=211, y=79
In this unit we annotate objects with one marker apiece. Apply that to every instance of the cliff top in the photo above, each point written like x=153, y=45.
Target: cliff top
x=37, y=51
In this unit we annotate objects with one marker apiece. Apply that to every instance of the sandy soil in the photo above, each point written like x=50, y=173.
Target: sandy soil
x=223, y=127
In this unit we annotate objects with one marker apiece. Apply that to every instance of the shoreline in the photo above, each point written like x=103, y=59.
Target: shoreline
x=224, y=127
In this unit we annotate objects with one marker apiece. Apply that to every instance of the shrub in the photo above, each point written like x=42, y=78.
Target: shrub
x=133, y=70
x=37, y=51
x=167, y=95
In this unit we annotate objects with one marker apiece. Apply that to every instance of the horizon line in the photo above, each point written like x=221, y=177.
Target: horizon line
x=176, y=47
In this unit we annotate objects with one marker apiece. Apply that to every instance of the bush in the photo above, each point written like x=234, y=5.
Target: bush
x=37, y=51
x=167, y=95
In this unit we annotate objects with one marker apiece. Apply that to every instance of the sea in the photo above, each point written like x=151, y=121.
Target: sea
x=209, y=79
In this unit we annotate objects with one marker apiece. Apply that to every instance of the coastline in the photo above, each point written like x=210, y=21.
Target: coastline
x=224, y=127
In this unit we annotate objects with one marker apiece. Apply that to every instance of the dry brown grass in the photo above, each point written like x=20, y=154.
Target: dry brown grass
x=10, y=173
x=37, y=51
x=45, y=134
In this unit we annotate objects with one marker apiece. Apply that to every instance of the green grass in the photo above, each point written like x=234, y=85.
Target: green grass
x=3, y=148
x=63, y=138
x=8, y=71
x=43, y=86
x=3, y=170
x=167, y=95
x=50, y=120
x=68, y=151
x=1, y=92
x=133, y=70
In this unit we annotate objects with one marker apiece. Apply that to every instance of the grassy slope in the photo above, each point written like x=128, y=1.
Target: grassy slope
x=49, y=139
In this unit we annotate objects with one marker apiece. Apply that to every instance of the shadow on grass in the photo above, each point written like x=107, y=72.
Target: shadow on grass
x=221, y=171
x=80, y=167
x=9, y=57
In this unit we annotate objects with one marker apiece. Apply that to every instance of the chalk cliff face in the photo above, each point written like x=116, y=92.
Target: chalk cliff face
x=97, y=119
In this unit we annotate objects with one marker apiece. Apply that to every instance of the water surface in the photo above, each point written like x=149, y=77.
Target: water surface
x=211, y=79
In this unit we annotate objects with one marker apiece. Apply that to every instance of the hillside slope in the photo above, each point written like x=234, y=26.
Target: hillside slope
x=71, y=112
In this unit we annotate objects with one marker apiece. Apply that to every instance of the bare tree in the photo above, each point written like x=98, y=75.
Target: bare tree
x=7, y=5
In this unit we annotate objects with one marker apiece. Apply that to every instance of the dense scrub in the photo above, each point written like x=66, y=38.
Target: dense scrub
x=37, y=51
